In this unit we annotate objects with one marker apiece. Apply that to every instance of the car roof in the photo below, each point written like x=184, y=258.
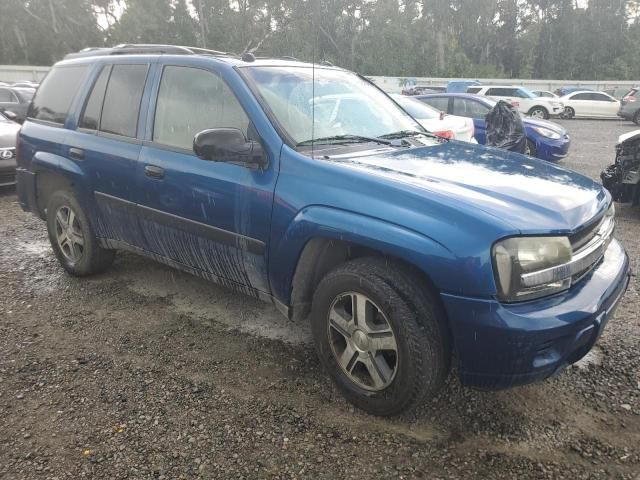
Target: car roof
x=91, y=55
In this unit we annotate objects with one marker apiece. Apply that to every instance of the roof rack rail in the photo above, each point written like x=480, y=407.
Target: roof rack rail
x=144, y=48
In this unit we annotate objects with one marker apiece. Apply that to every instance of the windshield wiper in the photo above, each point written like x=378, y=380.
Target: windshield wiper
x=343, y=139
x=406, y=133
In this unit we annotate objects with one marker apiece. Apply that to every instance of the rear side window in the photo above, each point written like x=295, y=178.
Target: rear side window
x=91, y=115
x=122, y=100
x=440, y=103
x=55, y=95
x=191, y=100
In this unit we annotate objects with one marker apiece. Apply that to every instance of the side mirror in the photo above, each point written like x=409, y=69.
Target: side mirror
x=10, y=115
x=228, y=145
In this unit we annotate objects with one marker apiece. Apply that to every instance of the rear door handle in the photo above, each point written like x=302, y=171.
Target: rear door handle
x=153, y=171
x=76, y=153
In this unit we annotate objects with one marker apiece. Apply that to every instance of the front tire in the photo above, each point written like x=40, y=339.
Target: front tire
x=569, y=113
x=72, y=238
x=539, y=112
x=381, y=337
x=531, y=149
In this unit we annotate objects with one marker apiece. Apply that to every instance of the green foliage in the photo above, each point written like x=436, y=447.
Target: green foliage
x=457, y=38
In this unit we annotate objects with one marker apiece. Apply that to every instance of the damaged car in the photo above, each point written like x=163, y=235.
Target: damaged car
x=406, y=251
x=622, y=178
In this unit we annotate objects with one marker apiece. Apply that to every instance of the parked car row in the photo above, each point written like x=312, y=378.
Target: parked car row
x=16, y=99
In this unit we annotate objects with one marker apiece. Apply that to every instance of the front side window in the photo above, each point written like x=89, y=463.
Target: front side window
x=191, y=100
x=473, y=89
x=416, y=108
x=122, y=100
x=316, y=104
x=6, y=96
x=54, y=97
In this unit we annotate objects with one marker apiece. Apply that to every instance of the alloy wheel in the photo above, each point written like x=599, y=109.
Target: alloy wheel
x=69, y=234
x=362, y=341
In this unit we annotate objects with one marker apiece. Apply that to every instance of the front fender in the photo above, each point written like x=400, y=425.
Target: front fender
x=394, y=240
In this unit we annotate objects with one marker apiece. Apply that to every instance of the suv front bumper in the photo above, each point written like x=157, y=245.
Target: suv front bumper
x=503, y=345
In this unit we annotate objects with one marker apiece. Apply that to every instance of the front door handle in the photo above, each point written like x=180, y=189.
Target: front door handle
x=153, y=171
x=76, y=153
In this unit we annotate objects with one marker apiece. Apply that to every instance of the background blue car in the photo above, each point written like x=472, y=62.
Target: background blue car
x=545, y=140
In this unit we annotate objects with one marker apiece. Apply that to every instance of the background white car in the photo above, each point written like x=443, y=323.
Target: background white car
x=439, y=123
x=522, y=99
x=585, y=103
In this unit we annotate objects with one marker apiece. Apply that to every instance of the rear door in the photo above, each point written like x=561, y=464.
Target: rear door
x=604, y=105
x=212, y=217
x=106, y=147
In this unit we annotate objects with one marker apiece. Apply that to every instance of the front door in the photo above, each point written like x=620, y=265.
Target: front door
x=211, y=217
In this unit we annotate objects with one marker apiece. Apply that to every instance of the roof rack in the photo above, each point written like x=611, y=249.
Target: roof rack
x=145, y=48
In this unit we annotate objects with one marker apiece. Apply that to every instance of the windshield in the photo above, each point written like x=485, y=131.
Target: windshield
x=314, y=104
x=526, y=93
x=416, y=108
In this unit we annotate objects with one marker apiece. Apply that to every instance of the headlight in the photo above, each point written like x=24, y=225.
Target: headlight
x=546, y=132
x=518, y=256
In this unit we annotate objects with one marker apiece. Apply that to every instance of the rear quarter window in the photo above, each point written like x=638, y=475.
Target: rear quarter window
x=55, y=96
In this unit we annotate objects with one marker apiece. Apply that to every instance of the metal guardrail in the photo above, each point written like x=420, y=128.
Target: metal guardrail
x=16, y=73
x=396, y=84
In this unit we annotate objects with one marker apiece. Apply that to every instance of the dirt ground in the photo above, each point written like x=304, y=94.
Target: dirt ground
x=147, y=373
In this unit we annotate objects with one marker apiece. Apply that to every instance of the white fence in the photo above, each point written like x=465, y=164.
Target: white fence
x=13, y=73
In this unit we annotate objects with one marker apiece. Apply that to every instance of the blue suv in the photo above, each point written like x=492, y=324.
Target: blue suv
x=310, y=188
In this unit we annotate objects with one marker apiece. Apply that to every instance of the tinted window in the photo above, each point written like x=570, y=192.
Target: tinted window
x=54, y=97
x=91, y=116
x=6, y=96
x=439, y=103
x=581, y=96
x=600, y=97
x=468, y=108
x=473, y=89
x=503, y=92
x=122, y=100
x=191, y=100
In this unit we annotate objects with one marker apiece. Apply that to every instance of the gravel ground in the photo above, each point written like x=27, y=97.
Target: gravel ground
x=145, y=372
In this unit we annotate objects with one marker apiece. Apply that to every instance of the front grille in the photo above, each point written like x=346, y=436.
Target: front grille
x=590, y=244
x=584, y=236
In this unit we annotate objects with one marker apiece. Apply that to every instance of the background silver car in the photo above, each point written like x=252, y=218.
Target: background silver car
x=8, y=132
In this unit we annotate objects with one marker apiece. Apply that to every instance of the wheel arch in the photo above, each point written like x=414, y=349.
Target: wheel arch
x=320, y=238
x=53, y=172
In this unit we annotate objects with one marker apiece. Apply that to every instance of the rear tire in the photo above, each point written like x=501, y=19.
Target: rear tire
x=391, y=353
x=72, y=239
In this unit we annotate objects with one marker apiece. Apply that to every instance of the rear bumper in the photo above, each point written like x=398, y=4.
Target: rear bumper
x=26, y=190
x=504, y=345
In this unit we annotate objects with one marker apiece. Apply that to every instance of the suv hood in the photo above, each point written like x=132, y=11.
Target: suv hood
x=529, y=195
